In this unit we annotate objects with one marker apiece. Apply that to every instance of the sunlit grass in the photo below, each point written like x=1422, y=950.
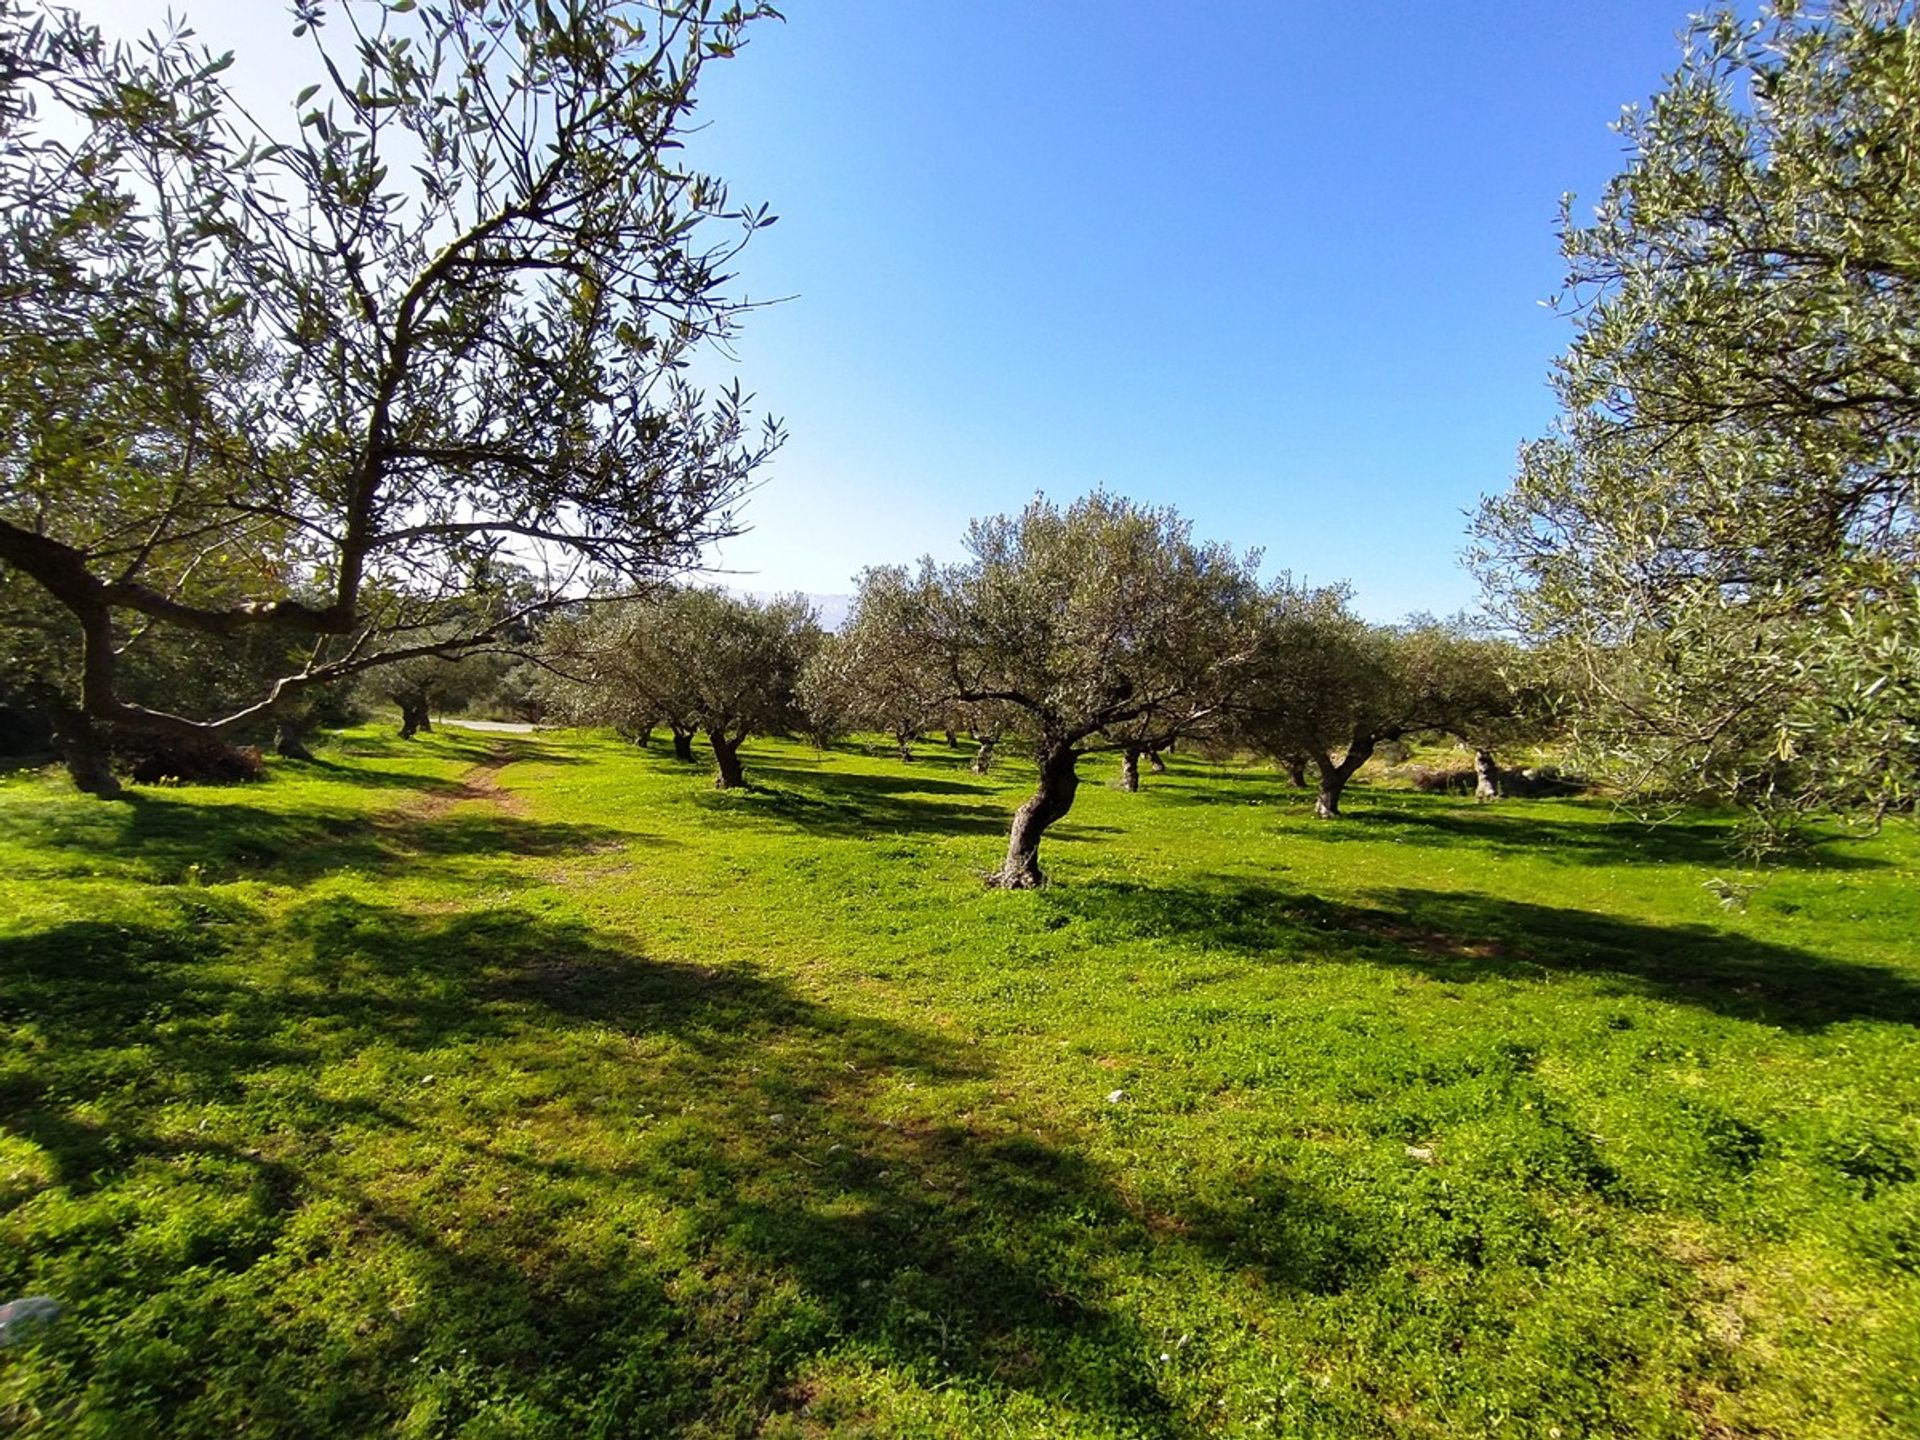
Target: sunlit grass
x=572, y=1097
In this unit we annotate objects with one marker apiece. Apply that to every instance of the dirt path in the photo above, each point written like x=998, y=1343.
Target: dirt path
x=482, y=782
x=493, y=727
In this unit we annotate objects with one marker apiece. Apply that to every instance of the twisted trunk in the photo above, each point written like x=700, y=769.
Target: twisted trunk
x=682, y=744
x=81, y=738
x=415, y=718
x=83, y=749
x=290, y=738
x=1296, y=768
x=953, y=740
x=1130, y=770
x=903, y=740
x=983, y=756
x=1155, y=763
x=1333, y=778
x=1486, y=776
x=1053, y=798
x=726, y=759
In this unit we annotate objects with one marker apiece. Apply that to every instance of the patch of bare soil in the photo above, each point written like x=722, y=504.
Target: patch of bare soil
x=482, y=782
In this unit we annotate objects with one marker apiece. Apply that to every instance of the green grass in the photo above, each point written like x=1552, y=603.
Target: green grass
x=568, y=1097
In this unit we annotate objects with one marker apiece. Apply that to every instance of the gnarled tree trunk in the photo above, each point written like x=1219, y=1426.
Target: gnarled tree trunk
x=1059, y=779
x=290, y=738
x=83, y=748
x=904, y=739
x=1155, y=763
x=81, y=738
x=1333, y=778
x=682, y=744
x=726, y=759
x=1486, y=776
x=983, y=756
x=1129, y=770
x=415, y=719
x=953, y=740
x=1296, y=768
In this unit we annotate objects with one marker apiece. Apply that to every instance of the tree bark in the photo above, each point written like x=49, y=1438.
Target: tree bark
x=953, y=740
x=1155, y=763
x=1486, y=776
x=290, y=738
x=80, y=735
x=1059, y=780
x=414, y=719
x=983, y=756
x=726, y=759
x=84, y=750
x=904, y=741
x=1296, y=768
x=1333, y=778
x=682, y=744
x=1130, y=770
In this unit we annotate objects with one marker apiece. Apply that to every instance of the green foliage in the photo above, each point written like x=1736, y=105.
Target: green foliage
x=690, y=658
x=876, y=672
x=1717, y=554
x=1323, y=685
x=317, y=385
x=1104, y=614
x=467, y=1087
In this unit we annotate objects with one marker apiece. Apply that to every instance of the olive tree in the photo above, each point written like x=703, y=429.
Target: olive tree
x=426, y=683
x=696, y=658
x=1716, y=551
x=873, y=673
x=1468, y=682
x=1075, y=622
x=1325, y=687
x=442, y=318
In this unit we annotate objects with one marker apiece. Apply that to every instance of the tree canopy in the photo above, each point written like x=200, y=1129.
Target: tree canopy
x=692, y=658
x=309, y=383
x=876, y=672
x=1075, y=622
x=1716, y=552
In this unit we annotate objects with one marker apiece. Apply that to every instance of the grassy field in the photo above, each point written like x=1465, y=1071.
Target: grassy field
x=490, y=1086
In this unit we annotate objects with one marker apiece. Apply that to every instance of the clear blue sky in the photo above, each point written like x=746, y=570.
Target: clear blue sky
x=1279, y=265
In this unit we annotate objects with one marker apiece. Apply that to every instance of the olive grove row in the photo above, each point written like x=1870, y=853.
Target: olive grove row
x=288, y=408
x=1100, y=626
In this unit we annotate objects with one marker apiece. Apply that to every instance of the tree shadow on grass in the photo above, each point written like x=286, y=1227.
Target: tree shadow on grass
x=442, y=1159
x=858, y=806
x=1533, y=830
x=1467, y=937
x=163, y=838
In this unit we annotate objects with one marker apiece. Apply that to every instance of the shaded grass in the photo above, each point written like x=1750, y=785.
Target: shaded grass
x=564, y=1096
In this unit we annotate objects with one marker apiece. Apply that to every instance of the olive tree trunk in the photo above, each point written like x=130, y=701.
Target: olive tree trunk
x=983, y=755
x=290, y=738
x=1130, y=770
x=953, y=740
x=415, y=719
x=80, y=737
x=903, y=741
x=726, y=759
x=1486, y=776
x=83, y=748
x=1296, y=768
x=1155, y=763
x=1053, y=798
x=1333, y=778
x=682, y=744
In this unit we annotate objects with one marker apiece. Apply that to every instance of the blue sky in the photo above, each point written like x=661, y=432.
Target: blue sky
x=1278, y=265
